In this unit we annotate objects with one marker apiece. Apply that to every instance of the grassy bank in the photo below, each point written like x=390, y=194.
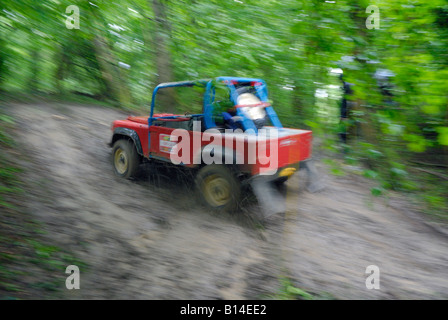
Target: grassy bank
x=30, y=267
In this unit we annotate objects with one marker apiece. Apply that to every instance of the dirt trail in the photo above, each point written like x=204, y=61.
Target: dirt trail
x=148, y=239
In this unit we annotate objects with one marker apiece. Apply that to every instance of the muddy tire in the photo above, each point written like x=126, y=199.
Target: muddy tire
x=125, y=159
x=218, y=188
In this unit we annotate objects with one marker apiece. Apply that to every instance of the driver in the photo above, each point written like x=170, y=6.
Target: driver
x=251, y=106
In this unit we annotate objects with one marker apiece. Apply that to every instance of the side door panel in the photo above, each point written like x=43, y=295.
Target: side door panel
x=160, y=144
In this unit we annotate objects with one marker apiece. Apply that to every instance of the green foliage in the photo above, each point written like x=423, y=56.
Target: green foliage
x=335, y=167
x=376, y=191
x=9, y=183
x=443, y=136
x=288, y=291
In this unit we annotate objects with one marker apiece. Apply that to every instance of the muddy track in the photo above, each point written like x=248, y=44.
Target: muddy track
x=150, y=239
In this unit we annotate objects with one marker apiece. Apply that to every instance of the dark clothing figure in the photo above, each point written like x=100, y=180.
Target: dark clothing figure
x=344, y=106
x=345, y=110
x=384, y=81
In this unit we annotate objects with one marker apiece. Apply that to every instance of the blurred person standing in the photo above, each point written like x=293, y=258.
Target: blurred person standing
x=345, y=109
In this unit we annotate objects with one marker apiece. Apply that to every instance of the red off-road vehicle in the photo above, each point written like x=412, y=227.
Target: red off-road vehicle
x=244, y=142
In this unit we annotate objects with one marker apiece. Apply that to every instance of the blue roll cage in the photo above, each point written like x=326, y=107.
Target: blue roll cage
x=209, y=95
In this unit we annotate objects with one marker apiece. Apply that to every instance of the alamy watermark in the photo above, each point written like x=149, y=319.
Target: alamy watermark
x=73, y=280
x=373, y=280
x=72, y=21
x=229, y=146
x=373, y=20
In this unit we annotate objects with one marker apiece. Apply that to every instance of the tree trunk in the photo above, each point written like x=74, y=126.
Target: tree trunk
x=113, y=77
x=61, y=61
x=166, y=99
x=110, y=72
x=33, y=80
x=2, y=63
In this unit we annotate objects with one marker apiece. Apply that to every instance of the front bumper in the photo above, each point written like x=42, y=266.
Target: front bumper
x=282, y=174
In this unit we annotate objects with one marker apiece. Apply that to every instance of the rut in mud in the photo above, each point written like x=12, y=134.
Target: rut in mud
x=149, y=239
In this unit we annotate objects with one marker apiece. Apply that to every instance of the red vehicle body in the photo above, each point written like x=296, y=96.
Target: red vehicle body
x=294, y=145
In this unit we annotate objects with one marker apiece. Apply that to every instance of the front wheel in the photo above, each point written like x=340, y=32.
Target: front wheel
x=218, y=187
x=125, y=159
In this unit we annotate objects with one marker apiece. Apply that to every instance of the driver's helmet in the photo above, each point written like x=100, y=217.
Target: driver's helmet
x=254, y=110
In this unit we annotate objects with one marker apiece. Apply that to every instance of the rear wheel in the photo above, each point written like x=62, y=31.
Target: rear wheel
x=125, y=159
x=218, y=187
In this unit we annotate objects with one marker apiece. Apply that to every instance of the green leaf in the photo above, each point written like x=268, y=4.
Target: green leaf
x=299, y=292
x=370, y=174
x=442, y=138
x=431, y=109
x=398, y=172
x=337, y=172
x=376, y=191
